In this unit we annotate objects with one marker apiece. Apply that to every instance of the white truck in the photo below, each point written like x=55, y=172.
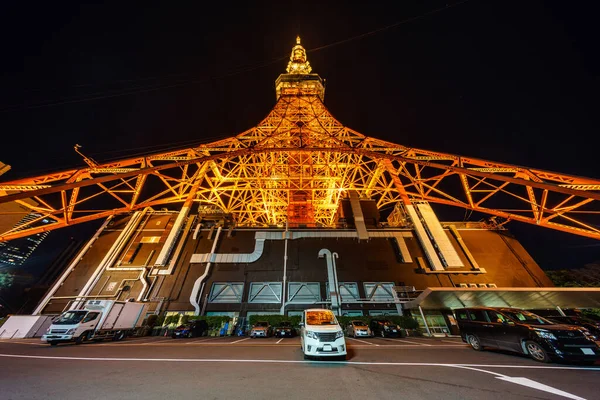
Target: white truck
x=97, y=320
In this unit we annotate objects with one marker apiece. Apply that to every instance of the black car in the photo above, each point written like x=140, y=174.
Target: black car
x=191, y=329
x=592, y=326
x=284, y=329
x=384, y=328
x=523, y=332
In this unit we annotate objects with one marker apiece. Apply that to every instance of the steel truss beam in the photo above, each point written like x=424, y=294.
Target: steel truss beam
x=301, y=148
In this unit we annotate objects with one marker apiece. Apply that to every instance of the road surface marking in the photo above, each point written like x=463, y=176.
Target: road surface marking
x=362, y=341
x=279, y=341
x=200, y=340
x=405, y=341
x=526, y=382
x=241, y=340
x=157, y=341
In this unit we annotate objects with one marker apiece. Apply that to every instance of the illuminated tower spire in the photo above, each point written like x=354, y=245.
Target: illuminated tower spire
x=298, y=62
x=299, y=81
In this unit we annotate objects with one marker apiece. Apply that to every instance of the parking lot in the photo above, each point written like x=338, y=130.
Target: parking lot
x=245, y=368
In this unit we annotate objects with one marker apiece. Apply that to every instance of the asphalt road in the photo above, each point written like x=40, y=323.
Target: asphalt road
x=243, y=368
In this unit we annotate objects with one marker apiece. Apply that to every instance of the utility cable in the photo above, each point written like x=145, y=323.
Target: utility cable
x=250, y=68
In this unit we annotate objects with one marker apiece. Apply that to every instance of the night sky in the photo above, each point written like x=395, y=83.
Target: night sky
x=510, y=81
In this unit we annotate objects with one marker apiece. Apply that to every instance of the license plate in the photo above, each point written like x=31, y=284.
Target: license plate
x=587, y=351
x=393, y=330
x=327, y=347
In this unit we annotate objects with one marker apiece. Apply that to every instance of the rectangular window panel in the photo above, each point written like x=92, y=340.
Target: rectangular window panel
x=265, y=292
x=348, y=291
x=304, y=292
x=226, y=292
x=379, y=291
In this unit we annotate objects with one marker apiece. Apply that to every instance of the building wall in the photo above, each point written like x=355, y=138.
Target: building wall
x=506, y=262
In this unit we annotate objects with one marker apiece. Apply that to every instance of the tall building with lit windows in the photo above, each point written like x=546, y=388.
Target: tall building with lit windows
x=16, y=252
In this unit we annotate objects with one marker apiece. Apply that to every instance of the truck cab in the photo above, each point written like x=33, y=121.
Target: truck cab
x=72, y=325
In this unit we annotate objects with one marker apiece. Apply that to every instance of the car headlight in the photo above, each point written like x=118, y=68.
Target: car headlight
x=311, y=335
x=588, y=334
x=339, y=334
x=545, y=334
x=71, y=331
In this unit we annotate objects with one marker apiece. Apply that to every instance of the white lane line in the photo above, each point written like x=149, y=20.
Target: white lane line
x=526, y=382
x=516, y=380
x=279, y=341
x=405, y=341
x=201, y=340
x=241, y=340
x=362, y=341
x=464, y=366
x=157, y=341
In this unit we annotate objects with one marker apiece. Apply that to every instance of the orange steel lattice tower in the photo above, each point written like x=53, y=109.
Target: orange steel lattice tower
x=294, y=167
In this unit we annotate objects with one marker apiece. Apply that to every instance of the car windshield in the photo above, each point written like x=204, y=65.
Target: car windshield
x=262, y=324
x=528, y=318
x=70, y=318
x=324, y=317
x=358, y=323
x=285, y=324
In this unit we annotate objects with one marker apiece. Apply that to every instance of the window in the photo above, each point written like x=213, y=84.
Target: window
x=462, y=315
x=265, y=292
x=90, y=317
x=226, y=292
x=379, y=291
x=304, y=292
x=498, y=318
x=348, y=291
x=478, y=315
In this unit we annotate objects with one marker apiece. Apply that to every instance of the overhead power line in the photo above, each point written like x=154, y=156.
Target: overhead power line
x=236, y=71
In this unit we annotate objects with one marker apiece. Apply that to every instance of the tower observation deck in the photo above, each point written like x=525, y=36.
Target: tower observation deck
x=294, y=167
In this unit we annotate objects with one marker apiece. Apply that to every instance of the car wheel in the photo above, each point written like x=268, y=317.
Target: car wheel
x=537, y=352
x=82, y=338
x=474, y=342
x=189, y=335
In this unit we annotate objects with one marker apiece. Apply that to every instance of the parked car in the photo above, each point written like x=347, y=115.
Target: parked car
x=358, y=328
x=261, y=329
x=384, y=328
x=592, y=326
x=284, y=329
x=191, y=329
x=523, y=332
x=321, y=335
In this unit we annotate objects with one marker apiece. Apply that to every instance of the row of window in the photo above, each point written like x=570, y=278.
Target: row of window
x=298, y=292
x=476, y=285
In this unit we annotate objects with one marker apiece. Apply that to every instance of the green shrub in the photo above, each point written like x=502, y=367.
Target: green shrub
x=184, y=319
x=213, y=321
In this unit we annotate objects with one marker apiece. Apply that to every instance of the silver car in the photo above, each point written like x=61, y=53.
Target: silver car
x=358, y=328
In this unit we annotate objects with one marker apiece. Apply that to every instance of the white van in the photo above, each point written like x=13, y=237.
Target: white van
x=321, y=335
